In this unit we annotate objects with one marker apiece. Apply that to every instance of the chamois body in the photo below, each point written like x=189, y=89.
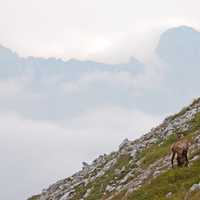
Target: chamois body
x=180, y=148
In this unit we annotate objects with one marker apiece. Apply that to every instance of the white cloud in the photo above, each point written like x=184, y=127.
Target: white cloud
x=101, y=30
x=55, y=98
x=9, y=88
x=38, y=149
x=34, y=154
x=135, y=83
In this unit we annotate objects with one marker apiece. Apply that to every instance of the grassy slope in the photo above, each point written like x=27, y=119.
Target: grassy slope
x=156, y=151
x=178, y=181
x=98, y=186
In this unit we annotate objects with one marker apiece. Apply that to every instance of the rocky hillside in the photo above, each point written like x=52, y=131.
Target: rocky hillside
x=140, y=169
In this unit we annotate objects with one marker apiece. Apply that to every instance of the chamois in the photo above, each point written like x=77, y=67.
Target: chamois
x=181, y=149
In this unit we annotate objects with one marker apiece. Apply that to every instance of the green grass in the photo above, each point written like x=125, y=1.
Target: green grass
x=156, y=152
x=182, y=112
x=185, y=109
x=178, y=181
x=36, y=197
x=195, y=123
x=98, y=187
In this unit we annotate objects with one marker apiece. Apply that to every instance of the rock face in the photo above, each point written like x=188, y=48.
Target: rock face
x=134, y=164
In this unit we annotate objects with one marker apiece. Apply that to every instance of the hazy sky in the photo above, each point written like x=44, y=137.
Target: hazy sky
x=109, y=31
x=42, y=136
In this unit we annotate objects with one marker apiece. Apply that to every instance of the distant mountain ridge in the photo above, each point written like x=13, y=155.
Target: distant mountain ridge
x=13, y=65
x=178, y=47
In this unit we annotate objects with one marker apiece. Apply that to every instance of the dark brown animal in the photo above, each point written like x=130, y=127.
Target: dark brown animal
x=181, y=149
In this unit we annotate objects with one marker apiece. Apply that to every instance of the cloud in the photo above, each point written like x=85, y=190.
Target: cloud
x=49, y=127
x=135, y=83
x=34, y=154
x=9, y=88
x=101, y=30
x=54, y=98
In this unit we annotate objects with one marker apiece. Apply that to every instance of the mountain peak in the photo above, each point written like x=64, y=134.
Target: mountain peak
x=184, y=28
x=180, y=46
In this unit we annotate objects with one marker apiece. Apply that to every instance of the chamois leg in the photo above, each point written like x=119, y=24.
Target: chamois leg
x=172, y=159
x=179, y=161
x=186, y=158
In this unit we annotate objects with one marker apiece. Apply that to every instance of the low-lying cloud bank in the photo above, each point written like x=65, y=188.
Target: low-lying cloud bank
x=36, y=153
x=50, y=125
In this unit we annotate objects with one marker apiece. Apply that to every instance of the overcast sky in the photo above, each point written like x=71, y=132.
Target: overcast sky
x=109, y=31
x=36, y=148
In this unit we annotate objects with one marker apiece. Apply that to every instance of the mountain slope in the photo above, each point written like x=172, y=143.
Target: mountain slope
x=140, y=169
